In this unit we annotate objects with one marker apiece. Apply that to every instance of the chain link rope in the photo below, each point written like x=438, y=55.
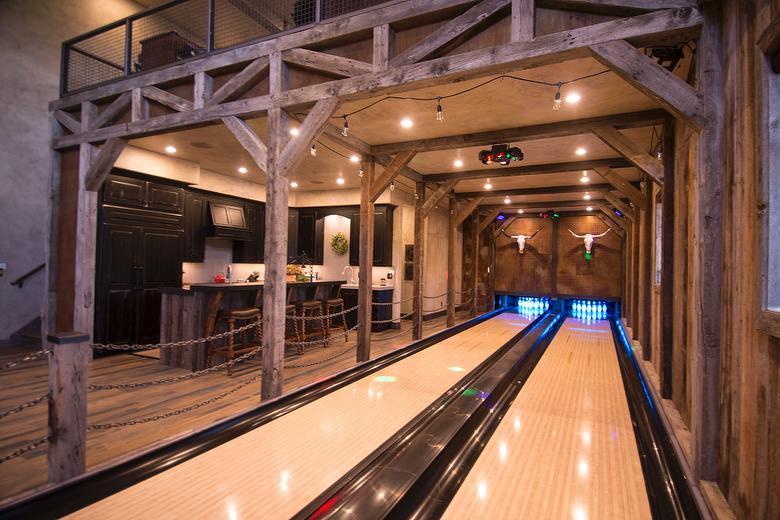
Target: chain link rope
x=323, y=316
x=24, y=449
x=29, y=404
x=182, y=343
x=24, y=359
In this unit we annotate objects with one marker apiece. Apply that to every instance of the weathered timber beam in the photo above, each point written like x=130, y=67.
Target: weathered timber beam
x=508, y=222
x=366, y=261
x=611, y=224
x=202, y=89
x=293, y=153
x=487, y=220
x=653, y=80
x=103, y=162
x=522, y=22
x=631, y=151
x=467, y=209
x=535, y=169
x=544, y=190
x=249, y=140
x=139, y=106
x=418, y=261
x=239, y=83
x=321, y=61
x=452, y=30
x=438, y=194
x=112, y=112
x=616, y=7
x=625, y=187
x=384, y=41
x=533, y=132
x=619, y=205
x=391, y=171
x=167, y=99
x=566, y=204
x=612, y=217
x=67, y=120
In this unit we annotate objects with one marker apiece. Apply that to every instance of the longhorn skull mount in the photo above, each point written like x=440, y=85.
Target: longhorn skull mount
x=520, y=239
x=589, y=238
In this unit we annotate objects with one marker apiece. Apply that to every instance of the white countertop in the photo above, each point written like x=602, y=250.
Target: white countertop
x=373, y=287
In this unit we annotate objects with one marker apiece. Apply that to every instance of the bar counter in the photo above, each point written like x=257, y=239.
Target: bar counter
x=191, y=312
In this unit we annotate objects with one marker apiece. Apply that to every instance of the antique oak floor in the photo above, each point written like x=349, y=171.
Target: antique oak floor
x=566, y=447
x=276, y=469
x=30, y=380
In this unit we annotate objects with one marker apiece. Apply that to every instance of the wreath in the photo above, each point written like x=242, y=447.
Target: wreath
x=339, y=243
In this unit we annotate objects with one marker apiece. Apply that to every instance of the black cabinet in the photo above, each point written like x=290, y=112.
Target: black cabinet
x=250, y=250
x=140, y=193
x=311, y=232
x=378, y=312
x=383, y=236
x=292, y=234
x=195, y=221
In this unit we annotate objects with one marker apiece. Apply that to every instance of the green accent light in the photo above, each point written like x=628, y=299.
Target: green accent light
x=470, y=392
x=588, y=256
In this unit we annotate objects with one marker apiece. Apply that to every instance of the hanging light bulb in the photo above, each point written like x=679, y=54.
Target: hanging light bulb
x=345, y=128
x=439, y=112
x=313, y=150
x=557, y=100
x=360, y=173
x=392, y=186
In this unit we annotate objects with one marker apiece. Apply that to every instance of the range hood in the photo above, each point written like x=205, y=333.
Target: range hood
x=228, y=221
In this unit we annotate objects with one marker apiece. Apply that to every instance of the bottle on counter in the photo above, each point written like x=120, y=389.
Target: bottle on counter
x=229, y=274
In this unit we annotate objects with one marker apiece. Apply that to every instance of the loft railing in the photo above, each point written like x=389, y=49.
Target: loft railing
x=185, y=29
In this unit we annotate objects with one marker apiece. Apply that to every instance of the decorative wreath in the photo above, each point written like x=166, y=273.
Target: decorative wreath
x=339, y=243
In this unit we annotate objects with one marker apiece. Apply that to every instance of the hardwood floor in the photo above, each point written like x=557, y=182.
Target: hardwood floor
x=103, y=446
x=566, y=447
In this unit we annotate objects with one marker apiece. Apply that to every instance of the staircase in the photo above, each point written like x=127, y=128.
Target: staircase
x=29, y=335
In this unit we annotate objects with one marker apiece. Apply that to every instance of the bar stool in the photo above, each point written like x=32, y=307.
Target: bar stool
x=292, y=332
x=243, y=316
x=332, y=306
x=312, y=309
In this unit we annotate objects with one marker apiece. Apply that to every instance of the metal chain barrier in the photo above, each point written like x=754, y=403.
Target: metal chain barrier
x=324, y=316
x=23, y=406
x=183, y=377
x=179, y=411
x=317, y=341
x=393, y=303
x=182, y=343
x=434, y=297
x=321, y=361
x=384, y=338
x=28, y=357
x=393, y=320
x=24, y=449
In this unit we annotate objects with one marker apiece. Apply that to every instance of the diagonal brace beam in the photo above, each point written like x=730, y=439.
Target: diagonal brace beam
x=390, y=173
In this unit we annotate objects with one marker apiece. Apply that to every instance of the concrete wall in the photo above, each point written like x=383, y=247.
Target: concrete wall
x=31, y=32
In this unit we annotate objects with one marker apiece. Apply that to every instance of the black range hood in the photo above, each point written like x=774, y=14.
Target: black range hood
x=228, y=221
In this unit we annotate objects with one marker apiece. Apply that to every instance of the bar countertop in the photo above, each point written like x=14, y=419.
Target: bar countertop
x=240, y=286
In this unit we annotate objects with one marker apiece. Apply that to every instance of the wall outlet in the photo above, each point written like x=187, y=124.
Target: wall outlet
x=3, y=267
x=389, y=275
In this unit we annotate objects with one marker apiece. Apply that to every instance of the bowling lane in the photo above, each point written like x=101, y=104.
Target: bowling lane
x=566, y=448
x=275, y=470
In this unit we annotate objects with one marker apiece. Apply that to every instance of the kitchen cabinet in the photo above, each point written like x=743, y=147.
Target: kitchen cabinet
x=250, y=250
x=383, y=236
x=195, y=221
x=311, y=231
x=292, y=234
x=378, y=312
x=141, y=193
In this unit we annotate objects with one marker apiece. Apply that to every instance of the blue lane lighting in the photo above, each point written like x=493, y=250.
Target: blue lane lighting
x=500, y=216
x=532, y=307
x=588, y=311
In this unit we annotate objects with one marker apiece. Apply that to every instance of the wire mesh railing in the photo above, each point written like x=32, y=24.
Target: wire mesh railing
x=184, y=29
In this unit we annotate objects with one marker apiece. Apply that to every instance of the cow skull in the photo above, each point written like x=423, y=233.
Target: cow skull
x=521, y=239
x=589, y=238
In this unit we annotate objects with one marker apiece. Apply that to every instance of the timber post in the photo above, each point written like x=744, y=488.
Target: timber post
x=67, y=429
x=366, y=260
x=452, y=230
x=419, y=258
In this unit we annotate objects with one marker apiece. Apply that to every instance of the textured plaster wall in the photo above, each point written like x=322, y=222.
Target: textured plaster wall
x=31, y=32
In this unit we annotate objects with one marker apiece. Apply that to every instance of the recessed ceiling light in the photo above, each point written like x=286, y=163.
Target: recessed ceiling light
x=507, y=200
x=406, y=122
x=520, y=211
x=586, y=196
x=242, y=170
x=488, y=186
x=589, y=208
x=340, y=180
x=294, y=131
x=573, y=98
x=293, y=184
x=584, y=178
x=354, y=158
x=580, y=151
x=170, y=149
x=458, y=163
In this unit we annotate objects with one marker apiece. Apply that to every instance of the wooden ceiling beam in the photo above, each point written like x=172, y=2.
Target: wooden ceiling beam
x=653, y=80
x=631, y=151
x=466, y=210
x=249, y=140
x=508, y=222
x=67, y=120
x=487, y=220
x=330, y=63
x=615, y=7
x=619, y=205
x=622, y=185
x=102, y=163
x=438, y=194
x=451, y=31
x=542, y=205
x=112, y=112
x=391, y=171
x=611, y=224
x=611, y=216
x=316, y=120
x=167, y=99
x=239, y=83
x=525, y=133
x=544, y=190
x=534, y=169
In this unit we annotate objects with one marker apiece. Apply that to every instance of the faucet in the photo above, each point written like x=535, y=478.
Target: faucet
x=351, y=274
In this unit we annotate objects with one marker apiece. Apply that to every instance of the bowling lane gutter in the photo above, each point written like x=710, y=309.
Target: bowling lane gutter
x=61, y=500
x=668, y=490
x=418, y=471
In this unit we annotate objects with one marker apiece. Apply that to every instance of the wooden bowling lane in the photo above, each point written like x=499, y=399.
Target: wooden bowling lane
x=275, y=470
x=566, y=448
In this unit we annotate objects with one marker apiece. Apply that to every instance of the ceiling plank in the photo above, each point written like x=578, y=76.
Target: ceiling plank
x=533, y=132
x=534, y=169
x=543, y=190
x=631, y=151
x=391, y=171
x=542, y=205
x=249, y=140
x=465, y=211
x=452, y=30
x=625, y=187
x=239, y=83
x=437, y=195
x=331, y=63
x=653, y=80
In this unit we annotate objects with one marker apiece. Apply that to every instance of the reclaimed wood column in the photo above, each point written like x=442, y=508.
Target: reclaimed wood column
x=67, y=428
x=707, y=265
x=419, y=259
x=275, y=284
x=452, y=229
x=475, y=263
x=366, y=260
x=636, y=248
x=667, y=261
x=646, y=268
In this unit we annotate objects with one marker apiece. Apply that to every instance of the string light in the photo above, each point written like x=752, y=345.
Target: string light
x=313, y=150
x=392, y=186
x=345, y=128
x=557, y=99
x=360, y=173
x=439, y=111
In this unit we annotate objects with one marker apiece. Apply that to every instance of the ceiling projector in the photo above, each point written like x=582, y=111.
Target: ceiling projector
x=501, y=154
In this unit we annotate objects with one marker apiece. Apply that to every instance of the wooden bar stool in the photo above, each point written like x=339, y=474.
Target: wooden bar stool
x=241, y=317
x=332, y=306
x=312, y=309
x=291, y=326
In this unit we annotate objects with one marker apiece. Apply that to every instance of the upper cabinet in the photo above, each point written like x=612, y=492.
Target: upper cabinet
x=383, y=236
x=126, y=191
